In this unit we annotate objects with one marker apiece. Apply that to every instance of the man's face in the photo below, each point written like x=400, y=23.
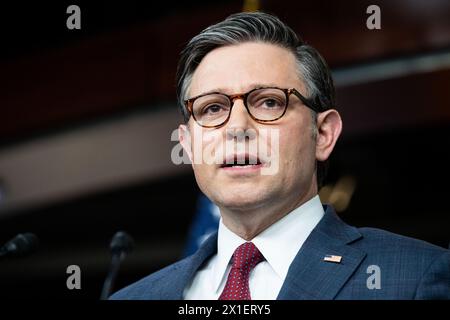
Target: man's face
x=238, y=69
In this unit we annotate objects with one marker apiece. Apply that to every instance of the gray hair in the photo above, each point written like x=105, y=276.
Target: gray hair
x=260, y=27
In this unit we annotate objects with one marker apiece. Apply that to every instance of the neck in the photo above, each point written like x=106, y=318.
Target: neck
x=248, y=223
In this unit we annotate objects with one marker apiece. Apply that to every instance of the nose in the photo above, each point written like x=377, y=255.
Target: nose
x=239, y=122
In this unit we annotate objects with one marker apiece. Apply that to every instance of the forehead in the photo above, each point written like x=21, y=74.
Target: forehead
x=239, y=68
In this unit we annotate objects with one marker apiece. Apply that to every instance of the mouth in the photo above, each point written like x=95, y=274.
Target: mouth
x=242, y=162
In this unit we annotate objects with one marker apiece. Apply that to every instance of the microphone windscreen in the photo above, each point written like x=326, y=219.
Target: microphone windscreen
x=22, y=244
x=121, y=242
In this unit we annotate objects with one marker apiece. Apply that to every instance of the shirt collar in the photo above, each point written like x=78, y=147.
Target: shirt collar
x=289, y=233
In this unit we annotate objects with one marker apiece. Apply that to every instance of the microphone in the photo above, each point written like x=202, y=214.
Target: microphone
x=121, y=244
x=21, y=245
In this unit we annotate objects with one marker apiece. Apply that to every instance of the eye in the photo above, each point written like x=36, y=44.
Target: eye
x=271, y=103
x=213, y=109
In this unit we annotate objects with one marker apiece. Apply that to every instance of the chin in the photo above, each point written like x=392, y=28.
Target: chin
x=242, y=200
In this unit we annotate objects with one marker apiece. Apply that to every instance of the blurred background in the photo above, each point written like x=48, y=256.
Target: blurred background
x=86, y=118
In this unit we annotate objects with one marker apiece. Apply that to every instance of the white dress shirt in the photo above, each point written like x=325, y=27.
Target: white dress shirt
x=279, y=244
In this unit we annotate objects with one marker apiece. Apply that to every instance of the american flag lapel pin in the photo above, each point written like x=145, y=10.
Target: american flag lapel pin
x=332, y=258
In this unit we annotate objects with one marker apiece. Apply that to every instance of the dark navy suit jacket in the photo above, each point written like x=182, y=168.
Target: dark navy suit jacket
x=407, y=268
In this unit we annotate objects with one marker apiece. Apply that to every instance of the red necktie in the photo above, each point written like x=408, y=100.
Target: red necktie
x=245, y=258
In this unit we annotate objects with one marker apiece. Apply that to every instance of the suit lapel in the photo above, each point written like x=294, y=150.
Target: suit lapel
x=184, y=273
x=309, y=276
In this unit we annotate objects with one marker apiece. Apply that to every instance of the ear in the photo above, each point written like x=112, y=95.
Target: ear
x=184, y=136
x=329, y=127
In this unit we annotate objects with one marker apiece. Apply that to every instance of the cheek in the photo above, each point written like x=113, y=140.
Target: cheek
x=296, y=148
x=207, y=153
x=205, y=147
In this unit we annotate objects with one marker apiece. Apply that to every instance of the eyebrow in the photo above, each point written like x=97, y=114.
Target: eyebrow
x=253, y=86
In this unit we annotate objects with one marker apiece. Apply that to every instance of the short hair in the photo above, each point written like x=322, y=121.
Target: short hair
x=260, y=27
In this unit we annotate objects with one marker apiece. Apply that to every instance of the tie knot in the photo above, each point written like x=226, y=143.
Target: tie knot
x=246, y=257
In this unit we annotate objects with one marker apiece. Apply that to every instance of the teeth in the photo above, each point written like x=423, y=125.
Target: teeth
x=243, y=165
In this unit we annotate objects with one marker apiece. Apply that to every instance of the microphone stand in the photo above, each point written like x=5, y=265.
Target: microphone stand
x=116, y=259
x=121, y=245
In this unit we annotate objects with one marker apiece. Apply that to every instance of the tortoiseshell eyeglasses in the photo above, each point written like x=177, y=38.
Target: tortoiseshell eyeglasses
x=212, y=110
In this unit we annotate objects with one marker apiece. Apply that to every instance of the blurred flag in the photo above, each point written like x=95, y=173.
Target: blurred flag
x=206, y=222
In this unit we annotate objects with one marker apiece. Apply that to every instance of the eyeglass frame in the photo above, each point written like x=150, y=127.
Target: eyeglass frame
x=189, y=103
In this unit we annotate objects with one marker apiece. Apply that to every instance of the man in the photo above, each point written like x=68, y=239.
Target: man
x=241, y=82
